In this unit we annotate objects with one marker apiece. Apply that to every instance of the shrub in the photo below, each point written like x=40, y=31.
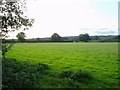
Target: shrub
x=21, y=74
x=66, y=74
x=82, y=76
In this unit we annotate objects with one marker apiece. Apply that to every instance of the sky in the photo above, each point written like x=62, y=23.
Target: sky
x=71, y=17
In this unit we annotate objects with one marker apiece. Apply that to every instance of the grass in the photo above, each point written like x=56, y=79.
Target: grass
x=99, y=59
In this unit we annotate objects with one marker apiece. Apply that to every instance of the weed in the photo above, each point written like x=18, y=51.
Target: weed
x=82, y=76
x=66, y=74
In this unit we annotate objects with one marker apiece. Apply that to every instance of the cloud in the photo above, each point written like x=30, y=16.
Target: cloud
x=100, y=31
x=106, y=32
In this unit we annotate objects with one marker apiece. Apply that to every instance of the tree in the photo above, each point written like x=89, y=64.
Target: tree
x=38, y=39
x=84, y=37
x=21, y=36
x=12, y=18
x=96, y=37
x=118, y=38
x=55, y=37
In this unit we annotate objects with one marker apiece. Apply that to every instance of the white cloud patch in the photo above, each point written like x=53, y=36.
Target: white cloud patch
x=106, y=32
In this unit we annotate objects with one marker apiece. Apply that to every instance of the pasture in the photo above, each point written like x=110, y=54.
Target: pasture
x=99, y=59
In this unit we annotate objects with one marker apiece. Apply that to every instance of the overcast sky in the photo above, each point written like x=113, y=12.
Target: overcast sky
x=72, y=17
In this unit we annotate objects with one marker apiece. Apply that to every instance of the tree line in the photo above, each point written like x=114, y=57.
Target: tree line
x=57, y=38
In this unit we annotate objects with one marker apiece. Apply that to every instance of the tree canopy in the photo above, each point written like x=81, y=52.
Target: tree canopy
x=56, y=37
x=21, y=36
x=84, y=37
x=12, y=17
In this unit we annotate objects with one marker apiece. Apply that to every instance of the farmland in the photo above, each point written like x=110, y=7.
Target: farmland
x=99, y=59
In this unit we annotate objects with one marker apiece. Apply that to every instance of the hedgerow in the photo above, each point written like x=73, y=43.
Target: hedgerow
x=21, y=74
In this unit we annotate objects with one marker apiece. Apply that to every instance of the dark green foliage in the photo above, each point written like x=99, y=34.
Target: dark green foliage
x=12, y=17
x=55, y=37
x=21, y=36
x=84, y=37
x=82, y=76
x=96, y=37
x=118, y=38
x=66, y=74
x=5, y=48
x=21, y=74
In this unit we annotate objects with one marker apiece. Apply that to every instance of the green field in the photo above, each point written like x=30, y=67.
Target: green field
x=99, y=59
